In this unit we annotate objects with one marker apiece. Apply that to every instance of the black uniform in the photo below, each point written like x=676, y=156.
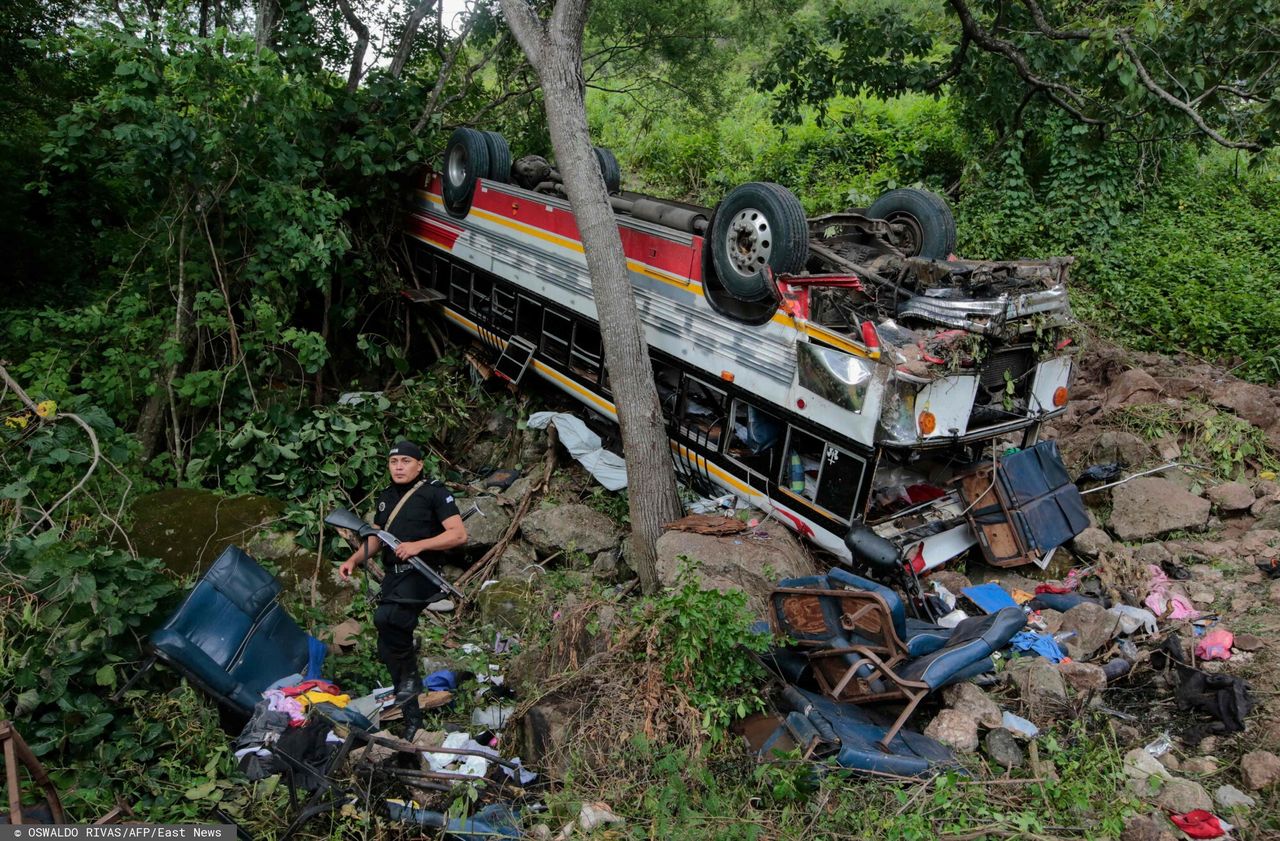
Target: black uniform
x=405, y=591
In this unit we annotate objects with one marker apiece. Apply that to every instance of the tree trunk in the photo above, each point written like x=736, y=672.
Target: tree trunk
x=555, y=51
x=152, y=421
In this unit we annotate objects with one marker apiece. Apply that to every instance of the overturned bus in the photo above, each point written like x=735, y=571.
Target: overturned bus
x=845, y=373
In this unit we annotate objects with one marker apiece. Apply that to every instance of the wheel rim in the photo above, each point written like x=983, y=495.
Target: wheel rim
x=749, y=241
x=910, y=234
x=457, y=166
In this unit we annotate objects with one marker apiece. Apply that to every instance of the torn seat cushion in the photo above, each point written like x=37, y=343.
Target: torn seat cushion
x=230, y=636
x=850, y=733
x=1046, y=504
x=920, y=637
x=972, y=641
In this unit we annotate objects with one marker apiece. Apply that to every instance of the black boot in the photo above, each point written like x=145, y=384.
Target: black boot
x=407, y=699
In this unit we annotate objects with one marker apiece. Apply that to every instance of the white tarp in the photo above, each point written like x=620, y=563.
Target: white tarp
x=584, y=445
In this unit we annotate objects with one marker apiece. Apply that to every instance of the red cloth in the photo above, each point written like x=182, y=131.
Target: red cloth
x=308, y=685
x=1199, y=824
x=1054, y=587
x=1216, y=645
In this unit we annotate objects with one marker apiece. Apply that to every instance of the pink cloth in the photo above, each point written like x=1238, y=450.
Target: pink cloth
x=1216, y=645
x=278, y=701
x=1164, y=598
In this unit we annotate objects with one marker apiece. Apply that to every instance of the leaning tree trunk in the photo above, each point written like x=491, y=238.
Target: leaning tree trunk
x=555, y=51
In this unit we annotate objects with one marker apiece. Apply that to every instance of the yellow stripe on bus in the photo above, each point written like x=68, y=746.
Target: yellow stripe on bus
x=780, y=317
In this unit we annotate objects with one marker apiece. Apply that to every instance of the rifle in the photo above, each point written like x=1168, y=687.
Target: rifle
x=344, y=519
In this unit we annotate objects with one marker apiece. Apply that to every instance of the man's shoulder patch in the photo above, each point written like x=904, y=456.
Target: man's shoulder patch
x=449, y=498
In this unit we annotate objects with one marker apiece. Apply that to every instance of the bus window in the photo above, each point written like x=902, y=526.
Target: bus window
x=585, y=359
x=826, y=475
x=504, y=311
x=460, y=288
x=482, y=296
x=803, y=464
x=841, y=480
x=667, y=379
x=557, y=332
x=529, y=319
x=754, y=438
x=703, y=409
x=440, y=277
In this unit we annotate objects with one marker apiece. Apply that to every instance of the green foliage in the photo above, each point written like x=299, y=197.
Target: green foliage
x=1218, y=440
x=1085, y=60
x=706, y=642
x=322, y=457
x=72, y=619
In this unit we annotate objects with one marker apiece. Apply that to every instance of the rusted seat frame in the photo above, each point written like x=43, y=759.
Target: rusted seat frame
x=882, y=658
x=16, y=753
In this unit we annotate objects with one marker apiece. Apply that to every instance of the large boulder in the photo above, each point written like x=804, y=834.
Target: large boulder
x=955, y=729
x=1150, y=506
x=1259, y=769
x=1131, y=388
x=1123, y=447
x=1094, y=627
x=570, y=528
x=750, y=561
x=518, y=560
x=969, y=698
x=1040, y=684
x=510, y=605
x=1231, y=497
x=488, y=524
x=1180, y=796
x=1091, y=543
x=1251, y=402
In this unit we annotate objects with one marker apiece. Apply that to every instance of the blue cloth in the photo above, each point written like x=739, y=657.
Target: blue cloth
x=441, y=681
x=990, y=598
x=316, y=652
x=1042, y=644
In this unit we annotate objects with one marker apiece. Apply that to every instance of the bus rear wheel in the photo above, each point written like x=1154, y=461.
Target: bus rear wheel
x=759, y=232
x=499, y=157
x=923, y=224
x=466, y=160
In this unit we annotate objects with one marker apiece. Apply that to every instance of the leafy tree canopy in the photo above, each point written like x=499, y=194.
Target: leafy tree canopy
x=1135, y=70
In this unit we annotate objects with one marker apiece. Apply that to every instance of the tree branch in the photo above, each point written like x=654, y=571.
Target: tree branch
x=528, y=28
x=1049, y=32
x=1056, y=91
x=957, y=63
x=1150, y=84
x=410, y=33
x=362, y=43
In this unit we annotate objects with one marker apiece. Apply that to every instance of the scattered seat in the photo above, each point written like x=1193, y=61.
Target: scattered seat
x=818, y=727
x=230, y=636
x=854, y=641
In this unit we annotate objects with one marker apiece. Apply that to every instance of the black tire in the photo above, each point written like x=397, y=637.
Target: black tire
x=499, y=157
x=609, y=169
x=466, y=161
x=758, y=225
x=926, y=227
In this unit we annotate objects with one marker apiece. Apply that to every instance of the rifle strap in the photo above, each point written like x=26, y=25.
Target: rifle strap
x=403, y=500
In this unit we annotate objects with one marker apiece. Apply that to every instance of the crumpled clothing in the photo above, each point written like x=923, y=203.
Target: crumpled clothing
x=315, y=696
x=263, y=728
x=471, y=766
x=1042, y=644
x=1134, y=618
x=1167, y=600
x=1227, y=699
x=1216, y=645
x=278, y=701
x=1199, y=824
x=309, y=685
